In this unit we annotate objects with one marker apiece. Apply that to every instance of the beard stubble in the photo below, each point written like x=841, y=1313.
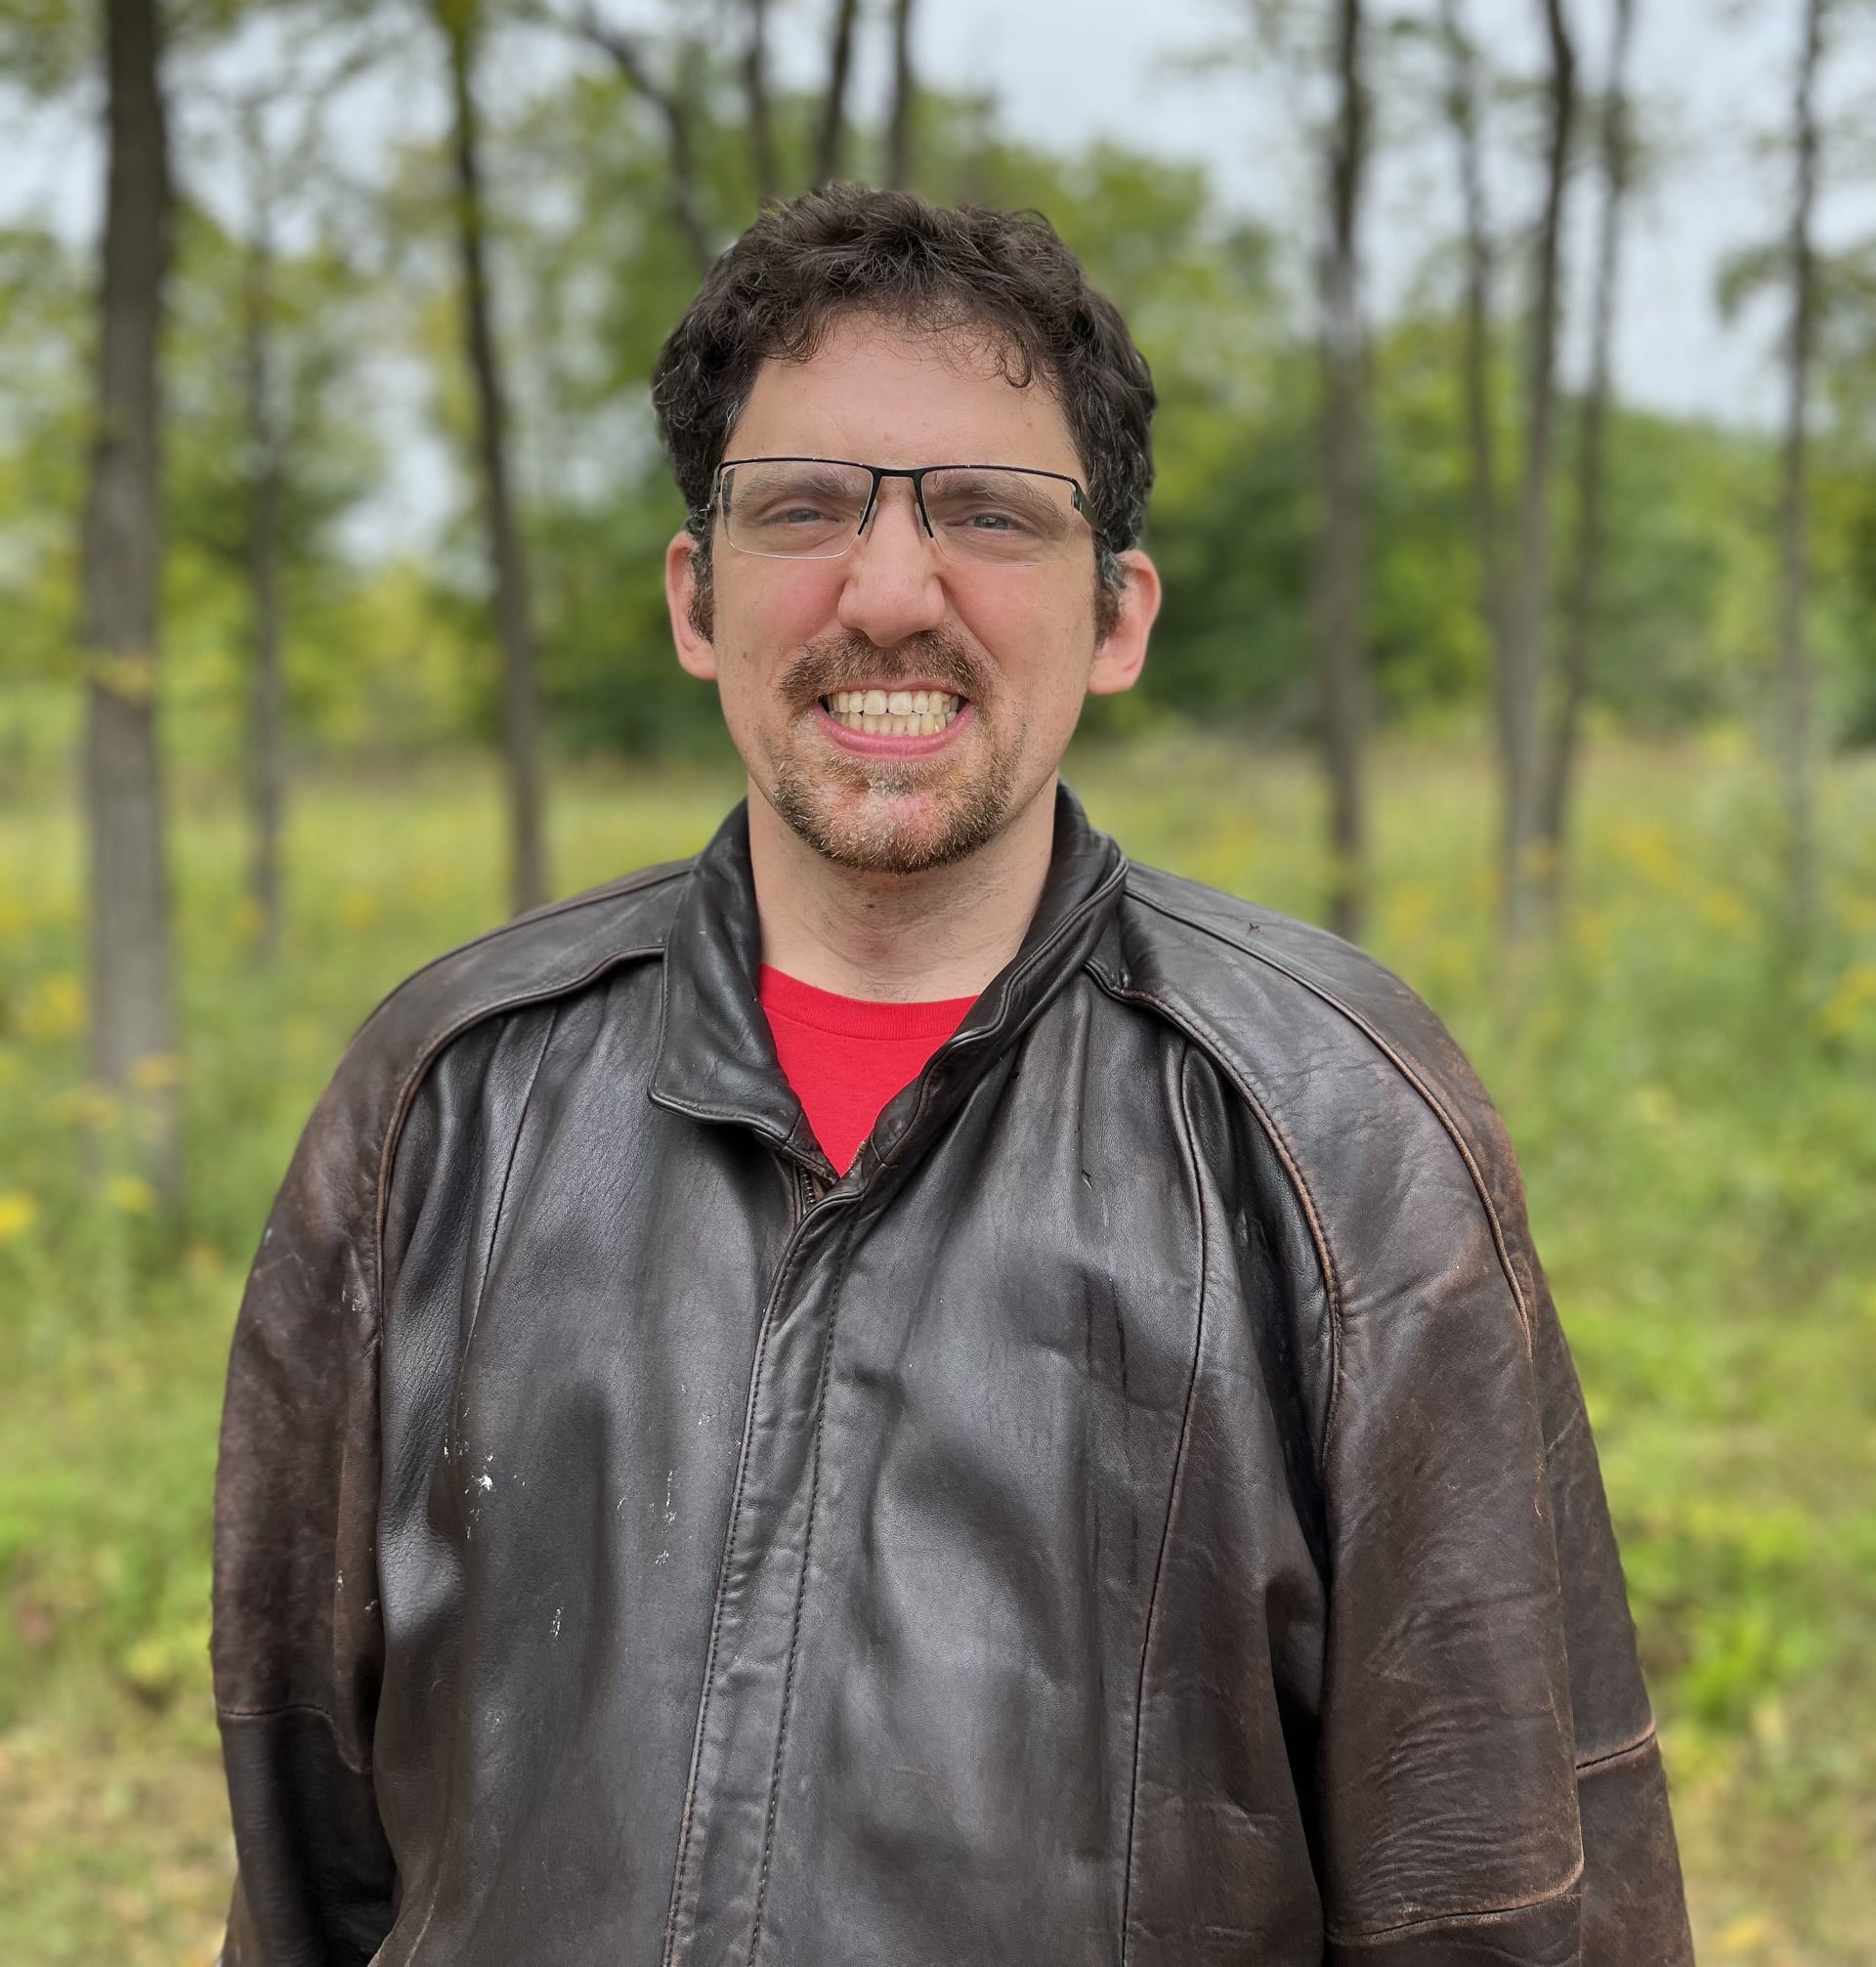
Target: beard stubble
x=844, y=807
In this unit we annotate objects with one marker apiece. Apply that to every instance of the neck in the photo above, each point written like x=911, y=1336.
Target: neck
x=900, y=938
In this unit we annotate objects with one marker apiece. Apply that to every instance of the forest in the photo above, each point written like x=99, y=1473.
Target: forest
x=332, y=631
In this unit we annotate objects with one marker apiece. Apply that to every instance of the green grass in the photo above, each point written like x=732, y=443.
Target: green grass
x=1695, y=1109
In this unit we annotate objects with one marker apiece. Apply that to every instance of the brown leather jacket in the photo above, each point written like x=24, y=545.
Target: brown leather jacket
x=1143, y=1513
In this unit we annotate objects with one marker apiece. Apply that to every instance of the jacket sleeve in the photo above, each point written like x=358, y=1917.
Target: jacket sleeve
x=1490, y=1785
x=297, y=1647
x=1633, y=1905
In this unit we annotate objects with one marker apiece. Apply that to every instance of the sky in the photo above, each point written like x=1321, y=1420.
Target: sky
x=1713, y=79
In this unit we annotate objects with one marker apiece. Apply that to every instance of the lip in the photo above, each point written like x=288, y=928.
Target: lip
x=880, y=744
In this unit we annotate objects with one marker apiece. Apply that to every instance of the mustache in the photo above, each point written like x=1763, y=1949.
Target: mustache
x=848, y=661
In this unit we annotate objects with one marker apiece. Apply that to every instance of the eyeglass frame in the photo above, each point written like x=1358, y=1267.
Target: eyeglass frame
x=917, y=473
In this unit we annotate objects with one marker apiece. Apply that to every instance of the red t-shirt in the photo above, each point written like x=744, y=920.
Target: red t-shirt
x=846, y=1056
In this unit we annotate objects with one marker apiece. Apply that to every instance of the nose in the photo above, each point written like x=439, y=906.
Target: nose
x=892, y=587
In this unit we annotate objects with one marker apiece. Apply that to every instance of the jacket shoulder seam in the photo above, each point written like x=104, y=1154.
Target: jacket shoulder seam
x=1401, y=1065
x=610, y=891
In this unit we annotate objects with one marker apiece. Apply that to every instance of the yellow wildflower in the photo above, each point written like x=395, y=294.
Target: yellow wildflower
x=130, y=1193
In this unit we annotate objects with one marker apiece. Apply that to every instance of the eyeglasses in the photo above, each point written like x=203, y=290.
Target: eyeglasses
x=814, y=508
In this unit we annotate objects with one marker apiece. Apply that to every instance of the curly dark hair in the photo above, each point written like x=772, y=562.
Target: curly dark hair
x=845, y=249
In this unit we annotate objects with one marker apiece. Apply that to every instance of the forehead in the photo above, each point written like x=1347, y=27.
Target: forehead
x=886, y=393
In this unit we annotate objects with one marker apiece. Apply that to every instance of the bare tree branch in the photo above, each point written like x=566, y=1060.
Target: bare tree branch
x=627, y=53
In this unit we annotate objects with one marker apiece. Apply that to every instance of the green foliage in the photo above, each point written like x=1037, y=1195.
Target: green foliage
x=390, y=648
x=1692, y=1117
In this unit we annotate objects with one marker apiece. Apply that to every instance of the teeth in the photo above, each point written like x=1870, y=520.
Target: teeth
x=894, y=713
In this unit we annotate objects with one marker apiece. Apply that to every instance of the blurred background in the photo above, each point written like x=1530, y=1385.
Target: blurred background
x=1517, y=367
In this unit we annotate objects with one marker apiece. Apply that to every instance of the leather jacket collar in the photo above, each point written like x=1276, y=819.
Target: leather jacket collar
x=716, y=1060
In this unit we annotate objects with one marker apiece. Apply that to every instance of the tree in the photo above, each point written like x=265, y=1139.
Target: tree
x=831, y=138
x=267, y=498
x=461, y=23
x=756, y=95
x=1794, y=666
x=671, y=101
x=1615, y=161
x=132, y=1013
x=904, y=91
x=269, y=451
x=1464, y=111
x=1342, y=576
x=1523, y=649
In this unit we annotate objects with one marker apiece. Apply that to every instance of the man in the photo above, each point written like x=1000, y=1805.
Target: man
x=908, y=1392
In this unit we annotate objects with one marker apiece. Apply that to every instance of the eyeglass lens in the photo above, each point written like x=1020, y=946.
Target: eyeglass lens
x=804, y=509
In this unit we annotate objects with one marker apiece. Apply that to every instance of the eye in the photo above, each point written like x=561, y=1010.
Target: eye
x=997, y=519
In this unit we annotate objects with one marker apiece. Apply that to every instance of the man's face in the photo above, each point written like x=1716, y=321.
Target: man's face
x=794, y=643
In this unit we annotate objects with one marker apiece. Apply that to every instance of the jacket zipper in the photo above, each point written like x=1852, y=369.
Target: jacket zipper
x=806, y=1190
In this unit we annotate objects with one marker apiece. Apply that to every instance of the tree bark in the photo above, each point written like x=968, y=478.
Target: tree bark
x=904, y=91
x=265, y=513
x=755, y=94
x=830, y=140
x=1591, y=450
x=132, y=1015
x=1794, y=666
x=507, y=555
x=1341, y=583
x=1475, y=356
x=1522, y=668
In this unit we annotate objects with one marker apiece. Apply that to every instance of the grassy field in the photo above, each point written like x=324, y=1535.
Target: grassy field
x=1695, y=1108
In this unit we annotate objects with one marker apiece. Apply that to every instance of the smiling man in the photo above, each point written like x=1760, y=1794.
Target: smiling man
x=908, y=1390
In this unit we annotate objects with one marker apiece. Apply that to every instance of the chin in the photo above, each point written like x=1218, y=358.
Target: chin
x=889, y=825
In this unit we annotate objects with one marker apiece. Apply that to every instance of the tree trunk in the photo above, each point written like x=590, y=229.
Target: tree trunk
x=903, y=89
x=755, y=94
x=1342, y=585
x=1586, y=569
x=830, y=142
x=265, y=516
x=1481, y=424
x=1524, y=664
x=508, y=557
x=132, y=1015
x=1795, y=733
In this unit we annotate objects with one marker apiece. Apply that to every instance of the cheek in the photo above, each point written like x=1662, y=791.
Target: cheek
x=768, y=610
x=1043, y=640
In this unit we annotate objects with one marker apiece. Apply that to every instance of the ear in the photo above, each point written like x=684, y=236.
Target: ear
x=696, y=652
x=1119, y=660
